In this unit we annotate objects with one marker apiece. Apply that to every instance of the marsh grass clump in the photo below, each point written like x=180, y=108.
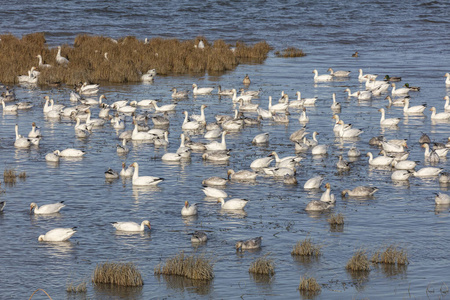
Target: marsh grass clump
x=123, y=274
x=358, y=262
x=263, y=265
x=290, y=52
x=9, y=176
x=22, y=175
x=336, y=220
x=390, y=255
x=191, y=266
x=306, y=248
x=309, y=285
x=99, y=58
x=75, y=288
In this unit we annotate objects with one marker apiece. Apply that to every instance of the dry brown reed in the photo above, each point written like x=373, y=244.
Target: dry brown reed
x=290, y=52
x=263, y=265
x=358, y=262
x=336, y=219
x=309, y=284
x=306, y=248
x=191, y=266
x=22, y=175
x=390, y=255
x=9, y=176
x=98, y=58
x=123, y=274
x=75, y=288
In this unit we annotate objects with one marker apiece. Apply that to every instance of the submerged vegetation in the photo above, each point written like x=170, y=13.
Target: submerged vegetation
x=123, y=274
x=190, y=266
x=290, y=52
x=98, y=58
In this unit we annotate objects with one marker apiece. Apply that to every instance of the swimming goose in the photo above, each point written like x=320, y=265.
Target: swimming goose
x=248, y=106
x=189, y=210
x=262, y=138
x=213, y=146
x=84, y=127
x=339, y=73
x=391, y=147
x=20, y=141
x=235, y=203
x=128, y=109
x=365, y=77
x=397, y=101
x=199, y=237
x=316, y=205
x=126, y=172
x=263, y=113
x=447, y=80
x=364, y=95
x=335, y=105
x=440, y=152
x=388, y=122
x=46, y=208
x=149, y=76
x=418, y=109
x=93, y=101
x=397, y=156
x=60, y=59
x=137, y=135
x=217, y=156
x=235, y=98
x=360, y=191
x=41, y=63
x=52, y=156
x=342, y=164
x=161, y=120
x=353, y=152
x=379, y=160
x=35, y=131
x=190, y=125
x=303, y=117
x=311, y=142
x=111, y=174
x=234, y=124
x=94, y=122
x=164, y=141
x=447, y=104
x=224, y=92
x=404, y=164
x=401, y=175
x=281, y=118
x=350, y=94
x=349, y=132
x=306, y=101
x=337, y=125
x=321, y=78
x=327, y=196
x=200, y=118
x=131, y=226
x=9, y=108
x=444, y=178
x=313, y=183
x=143, y=180
x=279, y=106
x=246, y=80
x=298, y=135
x=70, y=152
x=428, y=172
x=439, y=116
x=242, y=175
x=214, y=193
x=119, y=123
x=164, y=108
x=24, y=105
x=57, y=235
x=400, y=91
x=171, y=157
x=183, y=151
x=201, y=91
x=319, y=150
x=250, y=93
x=442, y=199
x=263, y=162
x=215, y=181
x=279, y=171
x=254, y=243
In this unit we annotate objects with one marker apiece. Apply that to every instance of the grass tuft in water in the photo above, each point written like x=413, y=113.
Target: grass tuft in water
x=191, y=266
x=309, y=285
x=358, y=262
x=23, y=175
x=290, y=52
x=123, y=274
x=306, y=248
x=263, y=265
x=75, y=288
x=9, y=176
x=390, y=255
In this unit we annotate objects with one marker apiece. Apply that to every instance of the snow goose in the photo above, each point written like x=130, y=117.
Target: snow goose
x=214, y=193
x=316, y=205
x=306, y=101
x=235, y=203
x=172, y=157
x=183, y=151
x=143, y=180
x=263, y=162
x=360, y=191
x=250, y=93
x=70, y=152
x=342, y=164
x=336, y=106
x=60, y=59
x=126, y=172
x=364, y=77
x=428, y=172
x=339, y=73
x=161, y=120
x=337, y=126
x=303, y=117
x=397, y=101
x=447, y=104
x=57, y=235
x=201, y=91
x=94, y=122
x=236, y=98
x=137, y=135
x=265, y=114
x=164, y=108
x=41, y=63
x=200, y=118
x=262, y=138
x=439, y=116
x=350, y=94
x=444, y=178
x=9, y=108
x=190, y=125
x=217, y=156
x=252, y=121
x=404, y=165
x=319, y=150
x=128, y=109
x=52, y=156
x=440, y=152
x=364, y=95
x=401, y=175
x=313, y=183
x=79, y=126
x=350, y=132
x=393, y=147
x=149, y=76
x=247, y=106
x=233, y=125
x=327, y=196
x=388, y=122
x=214, y=146
x=46, y=208
x=278, y=106
x=189, y=210
x=131, y=226
x=24, y=105
x=21, y=142
x=224, y=92
x=35, y=131
x=215, y=181
x=442, y=199
x=281, y=118
x=321, y=78
x=353, y=152
x=250, y=244
x=311, y=142
x=164, y=141
x=400, y=91
x=199, y=237
x=279, y=171
x=93, y=101
x=418, y=109
x=379, y=161
x=242, y=175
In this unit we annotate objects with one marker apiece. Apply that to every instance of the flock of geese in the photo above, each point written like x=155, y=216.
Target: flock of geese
x=393, y=155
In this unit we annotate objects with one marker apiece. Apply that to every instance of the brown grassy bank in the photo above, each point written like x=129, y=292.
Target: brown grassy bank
x=99, y=58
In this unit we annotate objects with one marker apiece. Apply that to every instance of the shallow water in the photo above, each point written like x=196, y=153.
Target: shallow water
x=407, y=40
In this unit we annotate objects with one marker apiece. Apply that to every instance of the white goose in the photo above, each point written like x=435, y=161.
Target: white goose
x=439, y=116
x=57, y=235
x=164, y=108
x=337, y=125
x=190, y=125
x=417, y=109
x=364, y=95
x=379, y=161
x=20, y=141
x=335, y=105
x=393, y=147
x=214, y=146
x=442, y=199
x=189, y=210
x=447, y=104
x=60, y=59
x=232, y=204
x=201, y=91
x=400, y=91
x=321, y=78
x=360, y=191
x=261, y=138
x=242, y=175
x=440, y=152
x=306, y=101
x=70, y=152
x=278, y=106
x=46, y=208
x=35, y=131
x=401, y=175
x=131, y=226
x=388, y=122
x=364, y=77
x=396, y=101
x=428, y=172
x=52, y=156
x=41, y=63
x=263, y=162
x=235, y=98
x=93, y=101
x=303, y=117
x=350, y=94
x=143, y=180
x=126, y=172
x=313, y=183
x=327, y=196
x=350, y=132
x=9, y=108
x=137, y=135
x=447, y=80
x=214, y=193
x=94, y=122
x=200, y=118
x=215, y=181
x=339, y=73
